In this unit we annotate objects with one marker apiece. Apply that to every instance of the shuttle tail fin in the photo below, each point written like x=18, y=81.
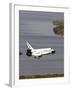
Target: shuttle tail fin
x=29, y=46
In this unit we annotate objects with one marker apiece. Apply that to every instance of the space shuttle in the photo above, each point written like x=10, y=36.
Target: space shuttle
x=37, y=53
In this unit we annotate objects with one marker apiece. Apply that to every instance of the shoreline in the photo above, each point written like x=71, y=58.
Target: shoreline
x=40, y=76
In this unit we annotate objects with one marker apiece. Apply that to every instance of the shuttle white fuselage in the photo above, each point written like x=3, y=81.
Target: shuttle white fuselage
x=38, y=52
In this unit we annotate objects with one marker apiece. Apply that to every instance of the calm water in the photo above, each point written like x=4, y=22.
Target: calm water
x=47, y=64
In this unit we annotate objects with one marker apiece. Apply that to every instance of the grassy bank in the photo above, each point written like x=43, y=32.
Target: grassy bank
x=40, y=76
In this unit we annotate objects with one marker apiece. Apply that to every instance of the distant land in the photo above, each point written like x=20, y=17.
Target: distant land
x=59, y=27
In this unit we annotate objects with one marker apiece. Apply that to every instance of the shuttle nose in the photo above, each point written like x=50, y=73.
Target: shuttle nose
x=53, y=51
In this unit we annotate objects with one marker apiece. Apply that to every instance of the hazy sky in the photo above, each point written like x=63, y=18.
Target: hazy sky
x=35, y=22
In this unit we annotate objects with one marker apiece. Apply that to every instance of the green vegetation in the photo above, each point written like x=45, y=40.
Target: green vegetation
x=40, y=76
x=59, y=29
